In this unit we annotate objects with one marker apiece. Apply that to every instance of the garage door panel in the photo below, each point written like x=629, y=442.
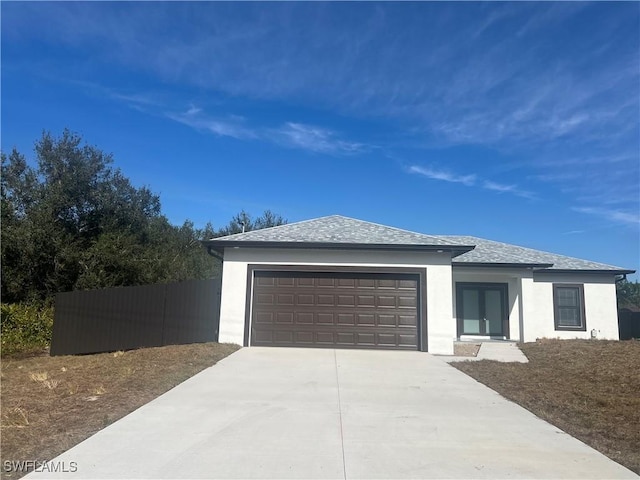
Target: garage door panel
x=407, y=302
x=347, y=310
x=366, y=339
x=365, y=319
x=326, y=282
x=407, y=284
x=346, y=283
x=324, y=319
x=265, y=281
x=388, y=320
x=408, y=340
x=305, y=282
x=345, y=338
x=285, y=282
x=346, y=300
x=387, y=339
x=386, y=301
x=284, y=318
x=368, y=283
x=366, y=301
x=304, y=318
x=264, y=317
x=285, y=299
x=263, y=336
x=283, y=336
x=346, y=319
x=265, y=299
x=302, y=338
x=387, y=284
x=325, y=338
x=407, y=320
x=305, y=299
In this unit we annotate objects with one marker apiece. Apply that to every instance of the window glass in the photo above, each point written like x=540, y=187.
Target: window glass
x=567, y=297
x=569, y=317
x=568, y=307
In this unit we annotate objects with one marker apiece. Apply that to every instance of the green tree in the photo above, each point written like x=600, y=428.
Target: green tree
x=628, y=293
x=75, y=222
x=244, y=222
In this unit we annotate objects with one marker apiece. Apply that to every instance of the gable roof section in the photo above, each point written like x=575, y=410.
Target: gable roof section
x=492, y=253
x=336, y=231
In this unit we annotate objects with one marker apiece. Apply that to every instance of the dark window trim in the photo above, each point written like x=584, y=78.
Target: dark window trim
x=556, y=316
x=491, y=285
x=422, y=290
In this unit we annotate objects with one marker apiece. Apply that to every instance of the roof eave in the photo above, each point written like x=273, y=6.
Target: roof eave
x=584, y=270
x=501, y=264
x=220, y=245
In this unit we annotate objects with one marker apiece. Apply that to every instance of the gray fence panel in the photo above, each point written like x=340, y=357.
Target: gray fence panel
x=629, y=324
x=133, y=317
x=192, y=312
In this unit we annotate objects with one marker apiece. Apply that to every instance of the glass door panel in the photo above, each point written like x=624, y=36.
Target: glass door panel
x=493, y=312
x=481, y=309
x=471, y=311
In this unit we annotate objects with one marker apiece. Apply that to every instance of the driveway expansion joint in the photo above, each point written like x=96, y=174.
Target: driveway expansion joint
x=344, y=466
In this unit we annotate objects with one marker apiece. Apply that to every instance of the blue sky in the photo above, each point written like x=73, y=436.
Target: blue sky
x=518, y=122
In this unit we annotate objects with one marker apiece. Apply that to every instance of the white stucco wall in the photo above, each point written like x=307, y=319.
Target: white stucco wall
x=531, y=301
x=440, y=322
x=530, y=295
x=600, y=307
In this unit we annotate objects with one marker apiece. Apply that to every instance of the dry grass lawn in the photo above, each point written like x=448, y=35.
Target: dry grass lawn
x=589, y=389
x=50, y=404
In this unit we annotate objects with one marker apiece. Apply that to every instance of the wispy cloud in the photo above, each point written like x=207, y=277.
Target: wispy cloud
x=291, y=135
x=615, y=216
x=223, y=127
x=502, y=188
x=443, y=175
x=469, y=180
x=315, y=139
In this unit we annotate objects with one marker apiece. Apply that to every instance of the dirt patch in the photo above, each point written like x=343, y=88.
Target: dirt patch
x=466, y=349
x=50, y=404
x=588, y=388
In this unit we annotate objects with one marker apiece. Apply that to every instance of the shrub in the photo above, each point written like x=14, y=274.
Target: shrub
x=25, y=327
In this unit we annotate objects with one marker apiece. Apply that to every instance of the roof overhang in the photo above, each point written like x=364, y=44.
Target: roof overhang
x=540, y=268
x=501, y=265
x=595, y=271
x=220, y=245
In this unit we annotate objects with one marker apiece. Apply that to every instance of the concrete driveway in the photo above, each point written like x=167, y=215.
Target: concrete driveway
x=344, y=414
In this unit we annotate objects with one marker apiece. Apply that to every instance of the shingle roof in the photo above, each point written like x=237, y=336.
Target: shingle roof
x=336, y=231
x=492, y=252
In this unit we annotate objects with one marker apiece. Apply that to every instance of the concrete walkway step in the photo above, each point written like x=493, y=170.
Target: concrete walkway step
x=501, y=352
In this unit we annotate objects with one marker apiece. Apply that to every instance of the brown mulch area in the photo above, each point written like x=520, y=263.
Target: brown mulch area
x=50, y=404
x=466, y=349
x=588, y=388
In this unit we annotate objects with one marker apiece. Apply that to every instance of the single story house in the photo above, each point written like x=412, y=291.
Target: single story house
x=340, y=282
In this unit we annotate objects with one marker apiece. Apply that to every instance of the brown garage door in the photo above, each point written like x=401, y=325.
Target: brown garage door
x=350, y=310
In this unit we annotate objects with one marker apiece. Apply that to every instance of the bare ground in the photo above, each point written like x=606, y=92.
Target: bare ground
x=466, y=349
